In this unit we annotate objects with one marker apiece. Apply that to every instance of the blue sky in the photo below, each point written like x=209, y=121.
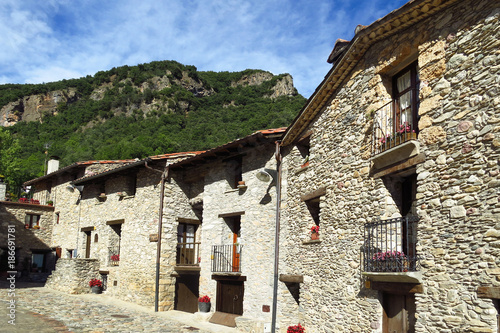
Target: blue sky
x=51, y=40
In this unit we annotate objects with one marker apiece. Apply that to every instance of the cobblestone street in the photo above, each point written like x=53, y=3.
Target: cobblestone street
x=43, y=310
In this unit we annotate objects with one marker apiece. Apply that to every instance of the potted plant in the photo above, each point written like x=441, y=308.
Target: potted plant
x=295, y=329
x=115, y=259
x=36, y=227
x=204, y=304
x=315, y=232
x=50, y=203
x=95, y=286
x=390, y=261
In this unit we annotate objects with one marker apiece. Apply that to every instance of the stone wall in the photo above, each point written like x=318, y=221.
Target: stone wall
x=72, y=276
x=27, y=240
x=256, y=202
x=457, y=196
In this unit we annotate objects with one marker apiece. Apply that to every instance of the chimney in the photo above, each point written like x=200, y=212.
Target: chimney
x=53, y=164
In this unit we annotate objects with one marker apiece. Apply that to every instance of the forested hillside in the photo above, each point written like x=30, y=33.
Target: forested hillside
x=134, y=112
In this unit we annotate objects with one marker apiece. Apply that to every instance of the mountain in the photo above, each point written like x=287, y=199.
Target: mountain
x=137, y=111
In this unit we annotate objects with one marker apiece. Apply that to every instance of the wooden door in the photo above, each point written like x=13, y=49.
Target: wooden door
x=230, y=297
x=186, y=293
x=399, y=313
x=87, y=244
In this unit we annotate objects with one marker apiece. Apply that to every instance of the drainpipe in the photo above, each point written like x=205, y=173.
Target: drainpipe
x=164, y=175
x=277, y=235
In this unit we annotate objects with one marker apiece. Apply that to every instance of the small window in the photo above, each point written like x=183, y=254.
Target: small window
x=57, y=217
x=304, y=147
x=32, y=221
x=234, y=171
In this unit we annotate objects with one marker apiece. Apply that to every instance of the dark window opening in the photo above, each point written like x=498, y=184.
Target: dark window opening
x=304, y=147
x=313, y=207
x=235, y=171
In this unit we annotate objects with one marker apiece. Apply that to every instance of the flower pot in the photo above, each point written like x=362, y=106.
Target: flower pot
x=314, y=235
x=96, y=290
x=204, y=306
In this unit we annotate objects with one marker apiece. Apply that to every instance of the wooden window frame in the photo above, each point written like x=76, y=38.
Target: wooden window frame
x=414, y=89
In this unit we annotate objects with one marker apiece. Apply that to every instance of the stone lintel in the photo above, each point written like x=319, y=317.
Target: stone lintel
x=188, y=220
x=231, y=214
x=120, y=221
x=488, y=292
x=397, y=288
x=229, y=276
x=87, y=229
x=291, y=278
x=314, y=194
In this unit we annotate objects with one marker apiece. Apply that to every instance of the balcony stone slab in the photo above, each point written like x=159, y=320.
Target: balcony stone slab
x=396, y=154
x=401, y=277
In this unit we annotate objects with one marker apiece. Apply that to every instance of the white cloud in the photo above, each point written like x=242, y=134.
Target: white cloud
x=56, y=39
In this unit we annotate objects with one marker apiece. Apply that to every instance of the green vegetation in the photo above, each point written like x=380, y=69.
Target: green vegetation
x=149, y=109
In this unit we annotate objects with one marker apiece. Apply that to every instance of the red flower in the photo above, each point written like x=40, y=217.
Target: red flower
x=315, y=229
x=295, y=329
x=204, y=299
x=95, y=283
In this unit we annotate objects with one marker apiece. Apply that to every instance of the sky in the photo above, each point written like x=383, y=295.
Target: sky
x=51, y=40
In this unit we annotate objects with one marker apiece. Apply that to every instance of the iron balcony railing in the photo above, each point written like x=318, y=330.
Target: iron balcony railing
x=226, y=258
x=390, y=245
x=114, y=255
x=188, y=254
x=394, y=123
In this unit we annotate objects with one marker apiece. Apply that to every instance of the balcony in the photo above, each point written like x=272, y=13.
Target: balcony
x=395, y=131
x=226, y=258
x=390, y=252
x=188, y=254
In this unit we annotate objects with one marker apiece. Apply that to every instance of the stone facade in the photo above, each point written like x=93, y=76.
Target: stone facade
x=456, y=167
x=29, y=241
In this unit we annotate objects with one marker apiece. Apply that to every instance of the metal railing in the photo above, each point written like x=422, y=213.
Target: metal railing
x=114, y=255
x=394, y=123
x=188, y=254
x=226, y=258
x=390, y=245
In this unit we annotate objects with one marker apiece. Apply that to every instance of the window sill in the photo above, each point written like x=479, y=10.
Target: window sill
x=311, y=241
x=301, y=169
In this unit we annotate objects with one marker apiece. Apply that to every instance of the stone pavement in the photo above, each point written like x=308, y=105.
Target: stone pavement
x=43, y=310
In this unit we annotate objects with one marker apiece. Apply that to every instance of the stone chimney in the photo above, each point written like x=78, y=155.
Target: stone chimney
x=53, y=164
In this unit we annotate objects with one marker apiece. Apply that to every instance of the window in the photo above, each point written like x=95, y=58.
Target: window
x=186, y=244
x=57, y=217
x=312, y=201
x=114, y=240
x=304, y=147
x=397, y=121
x=234, y=171
x=37, y=262
x=32, y=221
x=405, y=95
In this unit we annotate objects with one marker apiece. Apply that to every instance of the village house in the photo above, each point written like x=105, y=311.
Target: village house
x=395, y=158
x=36, y=218
x=233, y=190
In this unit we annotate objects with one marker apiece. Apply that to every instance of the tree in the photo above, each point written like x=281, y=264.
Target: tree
x=10, y=163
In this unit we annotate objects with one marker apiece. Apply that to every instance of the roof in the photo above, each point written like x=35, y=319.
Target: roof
x=136, y=164
x=231, y=148
x=74, y=166
x=345, y=56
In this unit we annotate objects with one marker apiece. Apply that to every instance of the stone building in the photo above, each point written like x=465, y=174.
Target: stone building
x=114, y=230
x=396, y=158
x=37, y=220
x=227, y=251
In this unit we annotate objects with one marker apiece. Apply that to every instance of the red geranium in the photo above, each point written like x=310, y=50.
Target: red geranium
x=295, y=329
x=204, y=299
x=95, y=283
